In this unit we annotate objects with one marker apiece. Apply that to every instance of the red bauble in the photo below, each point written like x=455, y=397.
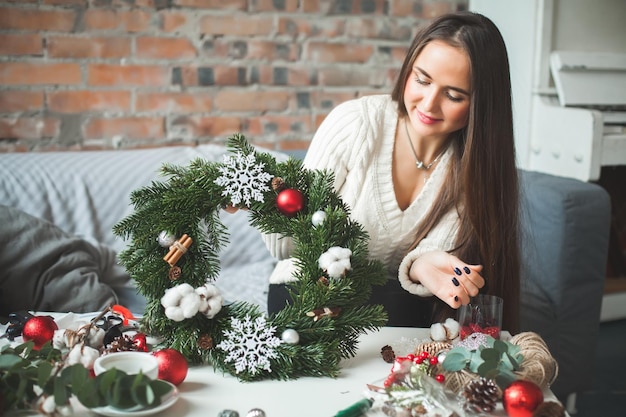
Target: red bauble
x=39, y=329
x=173, y=365
x=521, y=398
x=139, y=341
x=290, y=201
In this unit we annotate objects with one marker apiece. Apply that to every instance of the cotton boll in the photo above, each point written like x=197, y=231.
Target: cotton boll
x=438, y=332
x=190, y=303
x=335, y=270
x=96, y=337
x=211, y=300
x=48, y=405
x=89, y=356
x=59, y=340
x=174, y=313
x=452, y=328
x=325, y=260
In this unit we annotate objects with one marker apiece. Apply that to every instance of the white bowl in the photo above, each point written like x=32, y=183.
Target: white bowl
x=129, y=362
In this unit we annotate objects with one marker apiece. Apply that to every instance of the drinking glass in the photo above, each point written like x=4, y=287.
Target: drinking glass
x=482, y=315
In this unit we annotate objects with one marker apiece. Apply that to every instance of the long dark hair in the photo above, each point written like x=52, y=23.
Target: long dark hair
x=482, y=178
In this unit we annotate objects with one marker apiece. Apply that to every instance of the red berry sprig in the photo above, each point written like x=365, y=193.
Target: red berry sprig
x=402, y=366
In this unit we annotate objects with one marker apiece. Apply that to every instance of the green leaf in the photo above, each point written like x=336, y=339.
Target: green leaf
x=44, y=372
x=486, y=369
x=512, y=362
x=489, y=354
x=455, y=360
x=61, y=395
x=141, y=392
x=88, y=394
x=505, y=378
x=119, y=395
x=9, y=360
x=475, y=362
x=106, y=380
x=160, y=388
x=500, y=346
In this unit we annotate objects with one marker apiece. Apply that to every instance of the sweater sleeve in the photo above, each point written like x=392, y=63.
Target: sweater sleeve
x=327, y=151
x=441, y=237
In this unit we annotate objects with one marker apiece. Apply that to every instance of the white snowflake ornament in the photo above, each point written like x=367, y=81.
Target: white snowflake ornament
x=250, y=344
x=243, y=179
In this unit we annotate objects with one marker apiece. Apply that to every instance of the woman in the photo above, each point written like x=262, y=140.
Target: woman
x=429, y=171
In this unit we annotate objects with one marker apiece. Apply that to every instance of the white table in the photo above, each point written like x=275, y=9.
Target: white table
x=205, y=392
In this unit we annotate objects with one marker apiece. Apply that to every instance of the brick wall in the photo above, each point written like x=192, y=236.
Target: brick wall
x=106, y=74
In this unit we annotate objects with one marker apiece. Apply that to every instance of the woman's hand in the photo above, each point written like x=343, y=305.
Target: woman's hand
x=447, y=277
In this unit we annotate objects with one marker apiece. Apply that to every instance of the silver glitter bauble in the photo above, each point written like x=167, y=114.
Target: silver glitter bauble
x=290, y=336
x=166, y=239
x=256, y=412
x=318, y=218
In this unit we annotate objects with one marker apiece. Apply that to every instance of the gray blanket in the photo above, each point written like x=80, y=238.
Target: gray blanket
x=42, y=268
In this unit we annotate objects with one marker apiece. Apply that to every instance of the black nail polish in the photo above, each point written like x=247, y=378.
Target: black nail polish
x=456, y=298
x=467, y=270
x=455, y=281
x=457, y=271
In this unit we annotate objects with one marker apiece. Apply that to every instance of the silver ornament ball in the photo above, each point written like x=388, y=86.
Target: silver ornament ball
x=290, y=336
x=318, y=218
x=256, y=412
x=166, y=239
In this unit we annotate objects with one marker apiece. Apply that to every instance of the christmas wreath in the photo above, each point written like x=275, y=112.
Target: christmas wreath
x=175, y=235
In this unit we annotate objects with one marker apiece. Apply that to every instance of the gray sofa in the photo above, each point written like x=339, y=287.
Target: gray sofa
x=82, y=195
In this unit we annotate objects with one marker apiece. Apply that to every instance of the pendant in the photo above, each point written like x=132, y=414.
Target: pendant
x=419, y=164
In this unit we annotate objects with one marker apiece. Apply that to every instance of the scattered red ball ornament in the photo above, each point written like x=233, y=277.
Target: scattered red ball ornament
x=521, y=398
x=39, y=329
x=290, y=201
x=139, y=340
x=173, y=365
x=441, y=378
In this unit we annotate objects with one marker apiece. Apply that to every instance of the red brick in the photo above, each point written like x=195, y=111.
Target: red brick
x=188, y=127
x=376, y=28
x=173, y=102
x=214, y=4
x=312, y=6
x=295, y=145
x=125, y=127
x=306, y=27
x=57, y=20
x=29, y=127
x=246, y=101
x=89, y=47
x=338, y=52
x=118, y=75
x=65, y=2
x=173, y=21
x=277, y=124
x=227, y=75
x=27, y=73
x=21, y=44
x=12, y=101
x=341, y=77
x=271, y=6
x=272, y=51
x=435, y=8
x=127, y=20
x=85, y=101
x=236, y=25
x=149, y=47
x=404, y=8
x=295, y=76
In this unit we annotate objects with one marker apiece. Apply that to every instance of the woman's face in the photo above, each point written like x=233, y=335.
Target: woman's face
x=437, y=93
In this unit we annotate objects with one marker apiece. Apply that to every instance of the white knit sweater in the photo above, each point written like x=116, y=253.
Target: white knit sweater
x=356, y=142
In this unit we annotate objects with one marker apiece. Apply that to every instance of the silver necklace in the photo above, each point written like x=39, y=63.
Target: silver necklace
x=420, y=164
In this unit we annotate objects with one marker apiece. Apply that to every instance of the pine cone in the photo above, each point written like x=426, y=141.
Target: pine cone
x=481, y=395
x=122, y=343
x=387, y=353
